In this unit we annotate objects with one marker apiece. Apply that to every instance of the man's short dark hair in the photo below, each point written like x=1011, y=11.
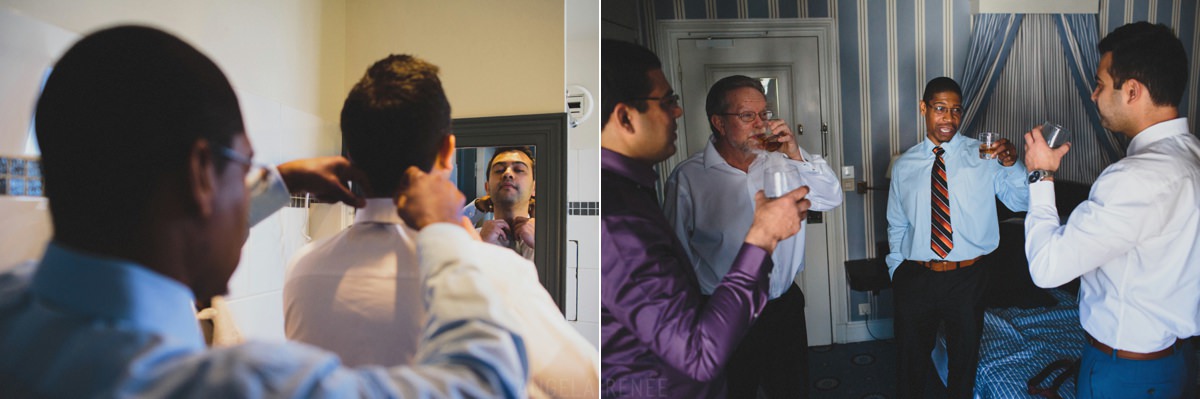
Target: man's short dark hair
x=117, y=119
x=522, y=149
x=718, y=102
x=624, y=76
x=940, y=84
x=1152, y=55
x=395, y=117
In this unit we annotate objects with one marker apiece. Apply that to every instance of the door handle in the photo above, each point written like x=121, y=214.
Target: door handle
x=824, y=140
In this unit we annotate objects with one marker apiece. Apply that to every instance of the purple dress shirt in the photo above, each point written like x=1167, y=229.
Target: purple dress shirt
x=660, y=338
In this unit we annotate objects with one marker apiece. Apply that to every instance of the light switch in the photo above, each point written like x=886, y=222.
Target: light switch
x=848, y=178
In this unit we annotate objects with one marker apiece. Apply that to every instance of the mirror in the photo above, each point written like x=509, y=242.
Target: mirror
x=545, y=136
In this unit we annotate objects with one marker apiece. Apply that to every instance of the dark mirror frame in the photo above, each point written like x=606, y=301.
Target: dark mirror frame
x=547, y=132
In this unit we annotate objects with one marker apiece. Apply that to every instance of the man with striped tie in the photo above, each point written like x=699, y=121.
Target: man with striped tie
x=941, y=224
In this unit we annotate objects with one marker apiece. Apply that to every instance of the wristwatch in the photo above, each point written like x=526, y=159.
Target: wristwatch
x=1039, y=175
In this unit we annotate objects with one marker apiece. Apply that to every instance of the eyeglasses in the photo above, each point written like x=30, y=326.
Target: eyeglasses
x=750, y=116
x=941, y=110
x=668, y=101
x=257, y=176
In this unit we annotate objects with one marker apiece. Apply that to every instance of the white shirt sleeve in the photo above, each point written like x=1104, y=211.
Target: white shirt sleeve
x=1106, y=225
x=824, y=187
x=561, y=363
x=469, y=348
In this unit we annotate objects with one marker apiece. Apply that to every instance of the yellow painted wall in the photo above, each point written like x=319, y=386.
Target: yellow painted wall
x=496, y=57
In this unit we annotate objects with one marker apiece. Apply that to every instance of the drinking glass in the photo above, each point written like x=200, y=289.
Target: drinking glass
x=1055, y=134
x=779, y=180
x=987, y=145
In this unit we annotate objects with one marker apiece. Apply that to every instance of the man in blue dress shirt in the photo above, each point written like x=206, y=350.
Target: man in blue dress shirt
x=941, y=223
x=147, y=173
x=660, y=339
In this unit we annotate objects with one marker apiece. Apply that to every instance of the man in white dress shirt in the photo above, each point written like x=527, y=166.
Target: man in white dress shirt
x=1135, y=243
x=108, y=311
x=357, y=293
x=710, y=203
x=510, y=186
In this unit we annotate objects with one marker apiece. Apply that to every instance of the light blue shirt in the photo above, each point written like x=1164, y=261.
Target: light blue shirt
x=79, y=325
x=974, y=185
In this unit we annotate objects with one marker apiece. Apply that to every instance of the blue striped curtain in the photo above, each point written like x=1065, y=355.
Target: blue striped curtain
x=1080, y=34
x=1041, y=81
x=990, y=45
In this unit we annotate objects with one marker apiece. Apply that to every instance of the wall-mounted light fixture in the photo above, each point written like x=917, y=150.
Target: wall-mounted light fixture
x=580, y=104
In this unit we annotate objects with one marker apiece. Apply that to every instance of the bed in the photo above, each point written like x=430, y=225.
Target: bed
x=1018, y=343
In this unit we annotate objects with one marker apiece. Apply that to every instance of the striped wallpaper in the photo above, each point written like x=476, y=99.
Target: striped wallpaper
x=889, y=49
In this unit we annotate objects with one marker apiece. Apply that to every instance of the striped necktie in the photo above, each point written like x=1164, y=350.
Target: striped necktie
x=942, y=235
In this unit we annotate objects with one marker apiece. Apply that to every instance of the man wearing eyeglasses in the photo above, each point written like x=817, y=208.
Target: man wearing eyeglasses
x=710, y=197
x=941, y=223
x=146, y=162
x=660, y=338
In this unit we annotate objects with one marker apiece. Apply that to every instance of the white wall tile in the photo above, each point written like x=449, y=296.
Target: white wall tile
x=261, y=266
x=259, y=317
x=265, y=254
x=589, y=295
x=588, y=178
x=587, y=231
x=27, y=48
x=589, y=331
x=573, y=183
x=262, y=118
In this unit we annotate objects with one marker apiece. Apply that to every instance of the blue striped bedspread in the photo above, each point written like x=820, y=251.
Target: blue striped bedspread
x=1018, y=343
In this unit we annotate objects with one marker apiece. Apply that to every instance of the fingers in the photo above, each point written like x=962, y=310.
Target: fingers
x=797, y=194
x=1035, y=136
x=470, y=228
x=342, y=193
x=1062, y=150
x=358, y=177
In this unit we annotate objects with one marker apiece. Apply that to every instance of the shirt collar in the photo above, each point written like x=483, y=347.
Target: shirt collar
x=711, y=156
x=378, y=210
x=638, y=171
x=117, y=291
x=1155, y=133
x=955, y=141
x=714, y=158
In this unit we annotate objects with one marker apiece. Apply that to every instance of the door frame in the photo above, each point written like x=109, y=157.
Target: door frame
x=667, y=34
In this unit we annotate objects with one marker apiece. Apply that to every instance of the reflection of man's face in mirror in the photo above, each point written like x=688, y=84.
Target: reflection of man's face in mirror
x=510, y=183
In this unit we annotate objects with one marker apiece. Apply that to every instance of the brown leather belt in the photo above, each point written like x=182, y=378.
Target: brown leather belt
x=1127, y=355
x=945, y=265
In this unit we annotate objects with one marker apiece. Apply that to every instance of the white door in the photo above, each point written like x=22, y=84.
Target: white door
x=790, y=70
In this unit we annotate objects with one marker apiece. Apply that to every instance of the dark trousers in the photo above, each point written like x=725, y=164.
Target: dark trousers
x=923, y=298
x=774, y=352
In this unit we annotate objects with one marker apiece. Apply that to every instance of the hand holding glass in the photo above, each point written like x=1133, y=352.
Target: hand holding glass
x=987, y=145
x=769, y=140
x=779, y=180
x=1054, y=134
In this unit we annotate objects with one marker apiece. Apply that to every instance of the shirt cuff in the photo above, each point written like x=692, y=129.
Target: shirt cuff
x=1041, y=193
x=754, y=260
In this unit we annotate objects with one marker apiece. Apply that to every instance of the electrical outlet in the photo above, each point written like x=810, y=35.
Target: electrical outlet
x=864, y=309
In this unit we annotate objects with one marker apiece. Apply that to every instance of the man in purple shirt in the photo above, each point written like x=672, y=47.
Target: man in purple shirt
x=660, y=339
